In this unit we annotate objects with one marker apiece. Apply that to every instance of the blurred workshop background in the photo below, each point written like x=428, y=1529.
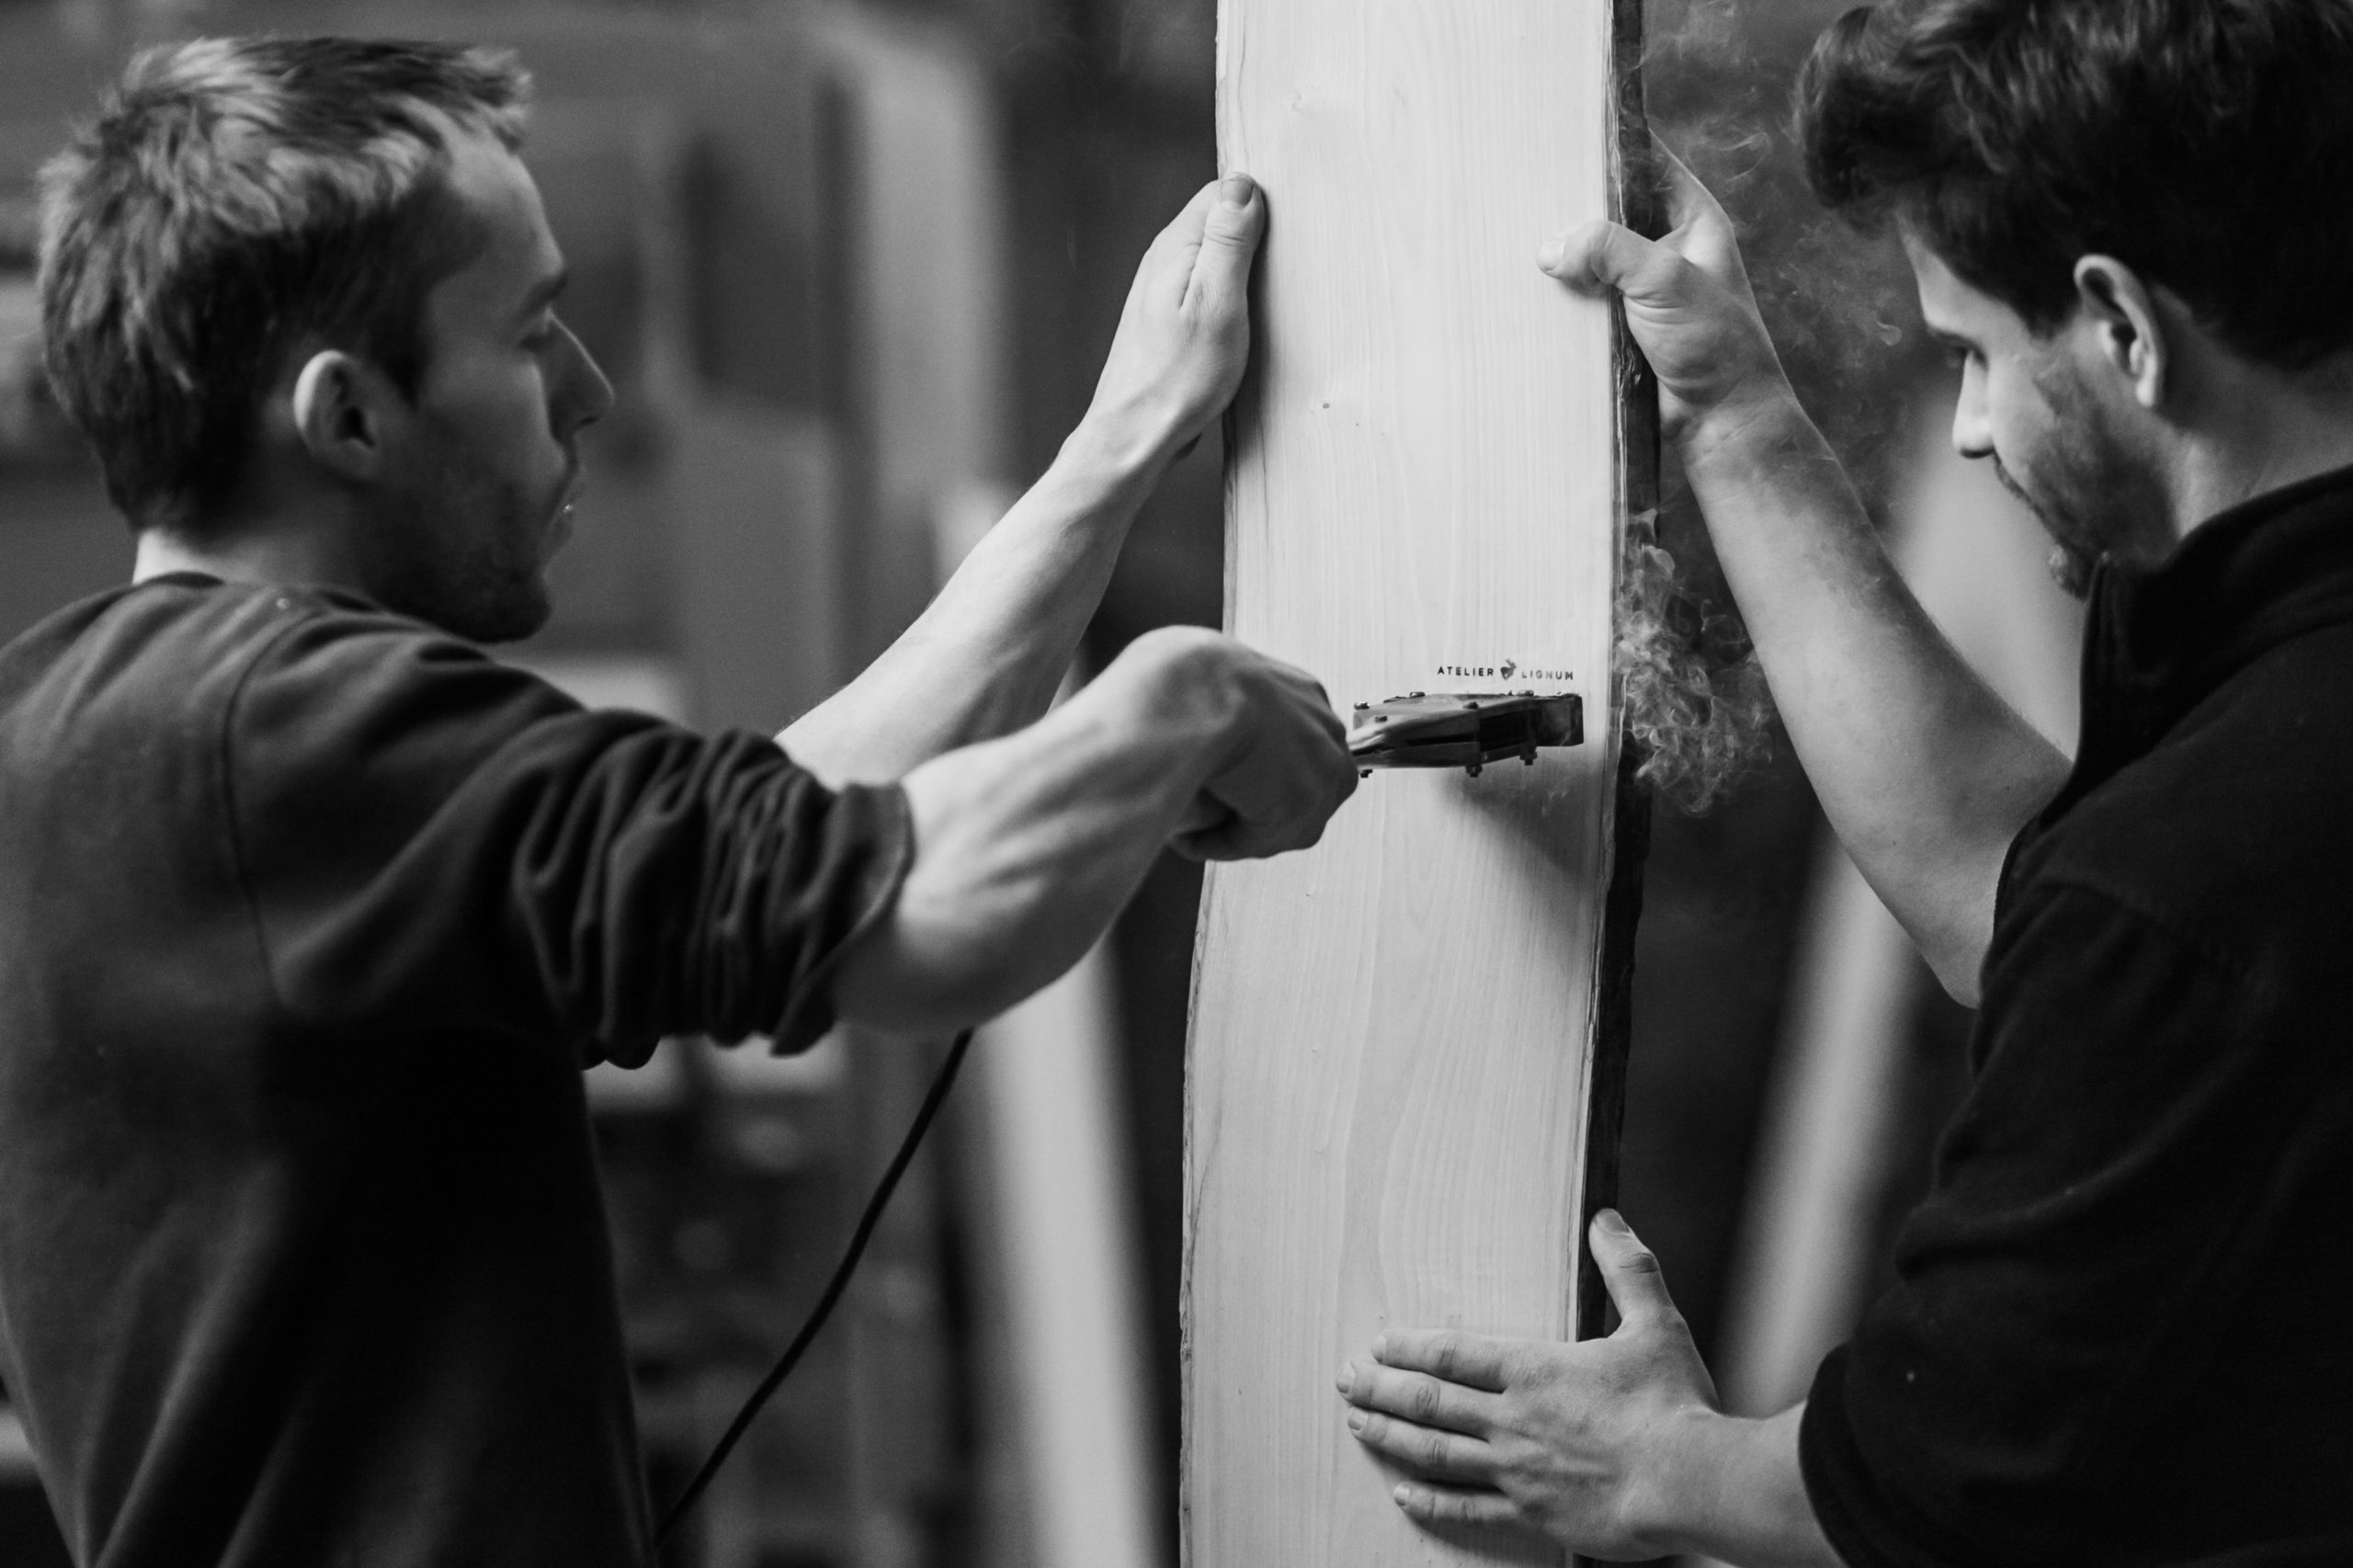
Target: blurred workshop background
x=852, y=265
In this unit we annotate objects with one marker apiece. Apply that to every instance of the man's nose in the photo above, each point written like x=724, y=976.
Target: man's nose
x=584, y=395
x=1973, y=430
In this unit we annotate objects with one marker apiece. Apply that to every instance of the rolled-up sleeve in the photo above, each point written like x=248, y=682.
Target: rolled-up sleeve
x=432, y=839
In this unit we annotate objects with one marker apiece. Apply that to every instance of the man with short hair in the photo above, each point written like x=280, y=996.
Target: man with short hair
x=2118, y=1334
x=311, y=913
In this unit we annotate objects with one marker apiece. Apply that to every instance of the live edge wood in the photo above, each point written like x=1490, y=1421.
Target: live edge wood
x=1407, y=1055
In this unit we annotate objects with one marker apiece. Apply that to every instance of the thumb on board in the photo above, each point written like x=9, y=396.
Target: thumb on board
x=1630, y=1270
x=1237, y=220
x=1598, y=256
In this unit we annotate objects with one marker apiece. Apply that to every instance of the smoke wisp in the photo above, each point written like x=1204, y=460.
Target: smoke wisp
x=1693, y=693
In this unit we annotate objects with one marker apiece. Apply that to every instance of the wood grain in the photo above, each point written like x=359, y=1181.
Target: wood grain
x=1392, y=1065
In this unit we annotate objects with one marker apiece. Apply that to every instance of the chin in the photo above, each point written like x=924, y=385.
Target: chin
x=511, y=617
x=464, y=557
x=501, y=608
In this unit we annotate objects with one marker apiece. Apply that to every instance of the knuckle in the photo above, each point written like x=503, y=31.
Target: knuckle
x=1198, y=642
x=1230, y=238
x=1423, y=1399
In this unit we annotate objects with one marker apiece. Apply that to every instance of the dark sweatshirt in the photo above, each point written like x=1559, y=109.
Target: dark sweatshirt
x=309, y=918
x=2122, y=1326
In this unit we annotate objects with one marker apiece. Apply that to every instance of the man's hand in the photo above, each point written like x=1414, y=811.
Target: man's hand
x=1561, y=1438
x=1688, y=303
x=1288, y=768
x=1184, y=337
x=1613, y=1448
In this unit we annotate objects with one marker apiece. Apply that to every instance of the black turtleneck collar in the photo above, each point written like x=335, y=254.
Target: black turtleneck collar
x=2158, y=641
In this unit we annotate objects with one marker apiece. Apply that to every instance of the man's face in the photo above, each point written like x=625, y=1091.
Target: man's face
x=2056, y=418
x=483, y=467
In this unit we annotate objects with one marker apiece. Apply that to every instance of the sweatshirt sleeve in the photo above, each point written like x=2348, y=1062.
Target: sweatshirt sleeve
x=2058, y=1286
x=431, y=839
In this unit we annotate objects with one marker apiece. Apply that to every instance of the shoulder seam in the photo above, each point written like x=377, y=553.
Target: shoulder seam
x=229, y=803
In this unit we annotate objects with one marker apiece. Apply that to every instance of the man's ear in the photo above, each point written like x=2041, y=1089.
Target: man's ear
x=340, y=409
x=2131, y=335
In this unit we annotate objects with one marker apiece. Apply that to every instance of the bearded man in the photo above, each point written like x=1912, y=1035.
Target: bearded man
x=2117, y=1330
x=311, y=913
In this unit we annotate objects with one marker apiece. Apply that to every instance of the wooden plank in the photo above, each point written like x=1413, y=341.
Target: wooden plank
x=1404, y=1063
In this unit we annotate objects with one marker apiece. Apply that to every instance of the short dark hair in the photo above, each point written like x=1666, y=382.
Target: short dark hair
x=2206, y=143
x=234, y=199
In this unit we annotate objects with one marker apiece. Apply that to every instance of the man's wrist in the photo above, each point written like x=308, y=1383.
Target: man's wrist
x=1671, y=1503
x=1122, y=446
x=1730, y=1487
x=1758, y=423
x=1097, y=483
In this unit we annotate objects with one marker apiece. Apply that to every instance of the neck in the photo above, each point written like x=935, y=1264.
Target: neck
x=261, y=549
x=2267, y=431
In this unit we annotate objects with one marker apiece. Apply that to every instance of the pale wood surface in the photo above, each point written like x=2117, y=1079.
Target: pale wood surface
x=1391, y=1059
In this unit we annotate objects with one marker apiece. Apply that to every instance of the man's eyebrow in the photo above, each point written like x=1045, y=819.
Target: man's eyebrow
x=545, y=292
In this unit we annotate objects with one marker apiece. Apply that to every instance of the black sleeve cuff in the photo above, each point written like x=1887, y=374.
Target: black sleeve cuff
x=1864, y=1526
x=886, y=829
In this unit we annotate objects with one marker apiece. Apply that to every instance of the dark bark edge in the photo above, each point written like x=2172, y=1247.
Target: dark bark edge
x=1636, y=198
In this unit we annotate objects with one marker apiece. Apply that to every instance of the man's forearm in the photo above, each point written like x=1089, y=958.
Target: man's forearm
x=1027, y=847
x=1028, y=844
x=1925, y=773
x=985, y=657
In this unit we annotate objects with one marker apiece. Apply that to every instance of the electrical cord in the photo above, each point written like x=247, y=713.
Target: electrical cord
x=940, y=1084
